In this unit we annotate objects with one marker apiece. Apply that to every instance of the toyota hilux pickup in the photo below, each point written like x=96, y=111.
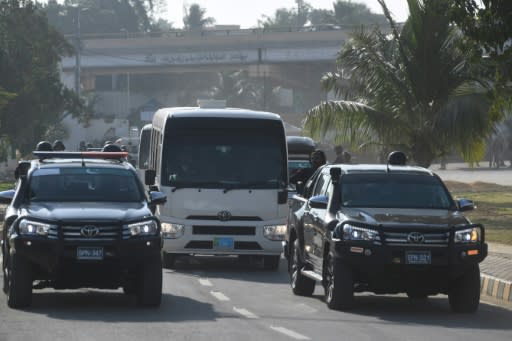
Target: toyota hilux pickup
x=80, y=220
x=383, y=228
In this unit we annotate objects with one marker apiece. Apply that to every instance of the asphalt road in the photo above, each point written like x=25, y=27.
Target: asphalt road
x=225, y=299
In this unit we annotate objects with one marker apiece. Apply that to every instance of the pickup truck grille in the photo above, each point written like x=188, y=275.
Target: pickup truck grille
x=417, y=238
x=90, y=232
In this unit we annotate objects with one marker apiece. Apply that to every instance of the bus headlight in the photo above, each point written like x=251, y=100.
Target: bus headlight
x=30, y=227
x=471, y=235
x=143, y=228
x=274, y=232
x=173, y=231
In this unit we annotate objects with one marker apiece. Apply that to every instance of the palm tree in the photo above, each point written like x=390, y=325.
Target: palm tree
x=195, y=20
x=412, y=88
x=239, y=90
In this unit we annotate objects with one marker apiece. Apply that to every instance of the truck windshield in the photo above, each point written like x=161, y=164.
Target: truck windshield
x=224, y=158
x=84, y=184
x=394, y=191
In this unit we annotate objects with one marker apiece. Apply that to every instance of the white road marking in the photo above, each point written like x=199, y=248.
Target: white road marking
x=205, y=282
x=245, y=313
x=290, y=333
x=220, y=296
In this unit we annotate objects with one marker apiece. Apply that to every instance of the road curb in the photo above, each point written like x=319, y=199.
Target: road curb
x=498, y=289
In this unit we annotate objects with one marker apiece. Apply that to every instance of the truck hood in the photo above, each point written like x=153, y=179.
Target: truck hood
x=86, y=211
x=406, y=217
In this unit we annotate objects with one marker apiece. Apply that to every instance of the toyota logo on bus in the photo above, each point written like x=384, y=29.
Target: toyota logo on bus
x=224, y=215
x=415, y=238
x=89, y=231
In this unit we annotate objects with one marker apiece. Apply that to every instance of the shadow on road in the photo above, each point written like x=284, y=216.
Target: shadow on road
x=114, y=306
x=434, y=311
x=245, y=269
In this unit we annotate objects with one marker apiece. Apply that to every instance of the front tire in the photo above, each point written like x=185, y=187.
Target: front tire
x=5, y=287
x=168, y=260
x=339, y=284
x=271, y=263
x=149, y=284
x=19, y=282
x=301, y=285
x=464, y=297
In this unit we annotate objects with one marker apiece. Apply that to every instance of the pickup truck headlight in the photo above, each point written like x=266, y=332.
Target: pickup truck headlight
x=274, y=232
x=171, y=230
x=143, y=228
x=472, y=235
x=351, y=232
x=30, y=227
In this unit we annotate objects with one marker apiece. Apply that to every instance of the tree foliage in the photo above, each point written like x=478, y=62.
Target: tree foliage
x=31, y=50
x=343, y=13
x=239, y=90
x=101, y=16
x=488, y=23
x=414, y=89
x=195, y=18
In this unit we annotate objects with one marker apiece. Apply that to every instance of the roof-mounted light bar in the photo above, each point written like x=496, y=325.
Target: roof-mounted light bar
x=80, y=155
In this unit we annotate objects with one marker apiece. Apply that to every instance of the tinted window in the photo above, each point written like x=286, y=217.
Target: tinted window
x=295, y=165
x=319, y=187
x=222, y=153
x=144, y=144
x=84, y=184
x=394, y=191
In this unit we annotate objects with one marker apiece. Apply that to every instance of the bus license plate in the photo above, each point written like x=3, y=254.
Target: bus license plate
x=89, y=253
x=223, y=243
x=418, y=257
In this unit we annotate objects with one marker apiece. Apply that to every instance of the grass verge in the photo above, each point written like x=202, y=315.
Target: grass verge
x=493, y=207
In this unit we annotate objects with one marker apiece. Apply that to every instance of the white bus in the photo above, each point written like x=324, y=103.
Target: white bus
x=224, y=172
x=143, y=152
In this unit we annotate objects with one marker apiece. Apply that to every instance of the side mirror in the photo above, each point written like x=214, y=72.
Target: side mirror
x=465, y=205
x=149, y=177
x=7, y=196
x=157, y=198
x=319, y=201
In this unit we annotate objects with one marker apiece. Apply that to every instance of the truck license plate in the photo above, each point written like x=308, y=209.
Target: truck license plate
x=223, y=243
x=418, y=257
x=89, y=253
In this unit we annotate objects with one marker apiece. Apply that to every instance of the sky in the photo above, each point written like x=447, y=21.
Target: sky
x=247, y=12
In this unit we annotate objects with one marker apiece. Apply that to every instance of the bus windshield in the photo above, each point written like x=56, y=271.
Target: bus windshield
x=220, y=158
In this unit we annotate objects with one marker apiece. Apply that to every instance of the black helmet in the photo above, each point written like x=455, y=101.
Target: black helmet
x=111, y=148
x=44, y=146
x=58, y=145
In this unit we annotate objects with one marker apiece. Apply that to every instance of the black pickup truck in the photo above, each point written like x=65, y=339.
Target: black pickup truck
x=80, y=220
x=387, y=229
